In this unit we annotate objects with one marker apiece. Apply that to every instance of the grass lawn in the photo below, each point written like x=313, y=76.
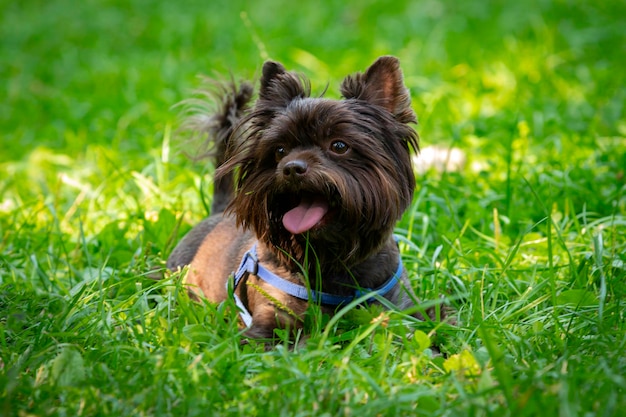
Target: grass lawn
x=527, y=240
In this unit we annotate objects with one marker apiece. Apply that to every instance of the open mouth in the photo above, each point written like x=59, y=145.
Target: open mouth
x=309, y=211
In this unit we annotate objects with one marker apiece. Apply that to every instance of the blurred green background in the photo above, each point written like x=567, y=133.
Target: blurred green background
x=527, y=239
x=531, y=91
x=108, y=72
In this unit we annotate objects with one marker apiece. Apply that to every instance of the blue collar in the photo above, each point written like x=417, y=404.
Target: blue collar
x=250, y=265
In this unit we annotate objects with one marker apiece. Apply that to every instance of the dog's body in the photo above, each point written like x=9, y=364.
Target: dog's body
x=320, y=185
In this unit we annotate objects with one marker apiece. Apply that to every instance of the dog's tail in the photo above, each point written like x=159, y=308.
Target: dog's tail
x=217, y=126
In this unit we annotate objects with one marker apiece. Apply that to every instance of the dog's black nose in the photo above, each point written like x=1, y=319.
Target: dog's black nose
x=295, y=168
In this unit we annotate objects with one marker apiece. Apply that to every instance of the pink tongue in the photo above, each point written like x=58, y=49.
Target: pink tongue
x=305, y=216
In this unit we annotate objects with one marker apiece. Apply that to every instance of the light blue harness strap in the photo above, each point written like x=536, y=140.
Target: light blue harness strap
x=250, y=265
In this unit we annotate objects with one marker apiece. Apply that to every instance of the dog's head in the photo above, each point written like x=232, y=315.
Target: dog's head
x=333, y=174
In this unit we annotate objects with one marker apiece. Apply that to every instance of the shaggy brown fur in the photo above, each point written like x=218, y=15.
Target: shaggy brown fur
x=318, y=183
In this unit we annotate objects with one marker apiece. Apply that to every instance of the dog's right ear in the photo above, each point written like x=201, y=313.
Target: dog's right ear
x=281, y=87
x=271, y=71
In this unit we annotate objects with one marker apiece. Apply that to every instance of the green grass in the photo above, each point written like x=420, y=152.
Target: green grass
x=528, y=241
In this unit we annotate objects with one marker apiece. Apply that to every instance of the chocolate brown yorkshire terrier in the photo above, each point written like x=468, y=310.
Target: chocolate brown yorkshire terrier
x=307, y=193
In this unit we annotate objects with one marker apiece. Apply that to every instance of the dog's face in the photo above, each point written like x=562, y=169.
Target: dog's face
x=335, y=174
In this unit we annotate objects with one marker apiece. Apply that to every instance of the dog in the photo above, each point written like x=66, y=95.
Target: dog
x=306, y=197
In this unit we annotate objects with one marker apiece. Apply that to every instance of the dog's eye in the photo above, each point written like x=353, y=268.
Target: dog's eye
x=279, y=153
x=339, y=147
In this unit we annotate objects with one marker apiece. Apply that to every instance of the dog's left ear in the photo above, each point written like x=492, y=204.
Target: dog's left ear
x=279, y=86
x=383, y=85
